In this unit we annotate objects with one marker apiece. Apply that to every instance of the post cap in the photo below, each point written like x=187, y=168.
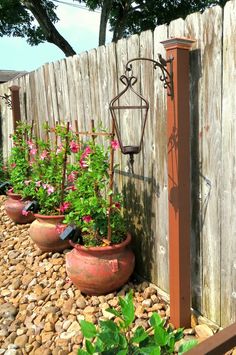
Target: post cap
x=178, y=42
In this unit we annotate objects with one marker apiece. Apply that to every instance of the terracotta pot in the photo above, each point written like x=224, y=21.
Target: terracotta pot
x=43, y=231
x=100, y=270
x=14, y=206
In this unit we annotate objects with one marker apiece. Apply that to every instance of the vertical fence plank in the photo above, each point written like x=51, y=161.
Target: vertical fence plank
x=148, y=245
x=72, y=89
x=210, y=159
x=86, y=89
x=78, y=90
x=93, y=85
x=160, y=180
x=228, y=216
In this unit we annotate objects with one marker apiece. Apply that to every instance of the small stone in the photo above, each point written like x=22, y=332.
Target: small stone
x=67, y=306
x=147, y=303
x=66, y=324
x=149, y=291
x=90, y=309
x=21, y=340
x=8, y=310
x=74, y=327
x=203, y=331
x=81, y=302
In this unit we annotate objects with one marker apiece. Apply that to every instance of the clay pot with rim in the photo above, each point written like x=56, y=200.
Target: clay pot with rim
x=100, y=270
x=45, y=233
x=14, y=206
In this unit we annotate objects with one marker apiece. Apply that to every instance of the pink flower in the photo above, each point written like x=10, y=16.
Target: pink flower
x=74, y=147
x=38, y=183
x=27, y=182
x=72, y=176
x=30, y=144
x=87, y=151
x=13, y=165
x=115, y=145
x=60, y=228
x=83, y=164
x=43, y=155
x=64, y=206
x=24, y=213
x=59, y=149
x=33, y=151
x=45, y=186
x=50, y=189
x=87, y=219
x=72, y=188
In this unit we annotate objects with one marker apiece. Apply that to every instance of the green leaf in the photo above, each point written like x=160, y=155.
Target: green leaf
x=109, y=338
x=139, y=335
x=108, y=325
x=150, y=350
x=161, y=336
x=123, y=352
x=88, y=329
x=179, y=333
x=113, y=311
x=187, y=346
x=89, y=347
x=127, y=308
x=82, y=352
x=155, y=320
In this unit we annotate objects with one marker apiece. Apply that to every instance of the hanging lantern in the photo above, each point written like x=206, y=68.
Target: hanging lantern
x=124, y=114
x=130, y=120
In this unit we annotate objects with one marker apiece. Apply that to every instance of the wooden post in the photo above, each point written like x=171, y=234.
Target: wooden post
x=15, y=101
x=178, y=131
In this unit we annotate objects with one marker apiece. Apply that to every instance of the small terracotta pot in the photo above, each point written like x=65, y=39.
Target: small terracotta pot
x=100, y=270
x=43, y=231
x=14, y=206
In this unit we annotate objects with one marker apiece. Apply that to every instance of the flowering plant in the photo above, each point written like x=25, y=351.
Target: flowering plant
x=18, y=166
x=92, y=205
x=48, y=166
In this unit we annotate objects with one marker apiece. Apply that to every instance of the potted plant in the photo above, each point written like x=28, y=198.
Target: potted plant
x=101, y=260
x=19, y=171
x=48, y=187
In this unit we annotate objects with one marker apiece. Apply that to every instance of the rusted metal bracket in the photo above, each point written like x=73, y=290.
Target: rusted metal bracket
x=7, y=99
x=166, y=76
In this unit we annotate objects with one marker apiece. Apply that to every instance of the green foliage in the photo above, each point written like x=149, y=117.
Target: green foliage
x=88, y=197
x=17, y=21
x=47, y=164
x=110, y=338
x=19, y=168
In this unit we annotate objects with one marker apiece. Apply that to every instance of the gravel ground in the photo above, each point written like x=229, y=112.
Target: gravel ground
x=40, y=308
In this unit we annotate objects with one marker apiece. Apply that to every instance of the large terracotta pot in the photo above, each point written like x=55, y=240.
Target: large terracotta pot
x=14, y=206
x=44, y=232
x=100, y=270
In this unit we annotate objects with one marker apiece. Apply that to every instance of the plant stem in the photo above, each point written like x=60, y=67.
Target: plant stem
x=111, y=180
x=64, y=163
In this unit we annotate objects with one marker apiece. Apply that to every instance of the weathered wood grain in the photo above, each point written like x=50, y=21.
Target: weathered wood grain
x=160, y=178
x=228, y=181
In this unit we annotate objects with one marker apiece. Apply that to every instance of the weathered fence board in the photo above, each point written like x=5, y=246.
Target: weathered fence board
x=160, y=178
x=228, y=181
x=81, y=87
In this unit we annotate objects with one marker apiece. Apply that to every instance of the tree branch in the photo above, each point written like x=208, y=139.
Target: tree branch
x=49, y=30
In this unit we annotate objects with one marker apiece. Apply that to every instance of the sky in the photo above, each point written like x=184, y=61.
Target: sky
x=79, y=27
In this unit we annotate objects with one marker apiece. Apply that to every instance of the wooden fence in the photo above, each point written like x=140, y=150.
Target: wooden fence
x=81, y=87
